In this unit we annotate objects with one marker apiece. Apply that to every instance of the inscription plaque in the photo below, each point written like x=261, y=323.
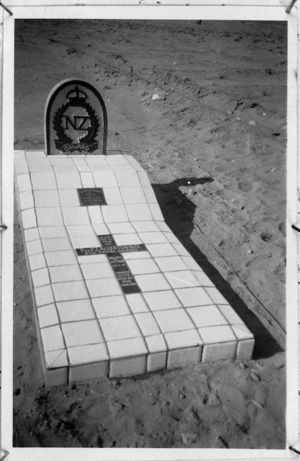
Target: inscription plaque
x=107, y=240
x=91, y=196
x=117, y=262
x=123, y=273
x=132, y=248
x=111, y=249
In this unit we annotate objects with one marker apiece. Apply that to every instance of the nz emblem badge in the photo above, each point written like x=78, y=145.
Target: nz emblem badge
x=76, y=120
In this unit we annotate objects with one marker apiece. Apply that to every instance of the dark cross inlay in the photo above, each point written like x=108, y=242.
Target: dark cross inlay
x=117, y=262
x=91, y=196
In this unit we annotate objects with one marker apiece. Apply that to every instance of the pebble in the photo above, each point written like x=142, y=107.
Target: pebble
x=252, y=123
x=252, y=410
x=260, y=396
x=257, y=404
x=155, y=96
x=223, y=441
x=212, y=399
x=188, y=437
x=255, y=376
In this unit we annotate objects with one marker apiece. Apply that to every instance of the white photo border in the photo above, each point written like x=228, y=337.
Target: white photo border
x=263, y=10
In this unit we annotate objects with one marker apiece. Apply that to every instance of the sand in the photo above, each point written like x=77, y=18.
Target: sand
x=202, y=106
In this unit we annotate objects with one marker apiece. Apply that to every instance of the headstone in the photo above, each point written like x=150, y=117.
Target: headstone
x=75, y=120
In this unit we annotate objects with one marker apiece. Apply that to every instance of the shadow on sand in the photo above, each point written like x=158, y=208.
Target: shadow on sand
x=179, y=213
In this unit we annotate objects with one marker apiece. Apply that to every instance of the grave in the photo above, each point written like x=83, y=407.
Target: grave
x=115, y=292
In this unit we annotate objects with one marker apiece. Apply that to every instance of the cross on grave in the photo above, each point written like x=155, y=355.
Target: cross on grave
x=117, y=262
x=95, y=196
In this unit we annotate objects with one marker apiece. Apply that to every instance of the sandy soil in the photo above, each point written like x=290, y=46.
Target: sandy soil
x=203, y=108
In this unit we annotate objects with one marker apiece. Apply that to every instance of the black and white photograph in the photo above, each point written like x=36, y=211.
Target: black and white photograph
x=150, y=201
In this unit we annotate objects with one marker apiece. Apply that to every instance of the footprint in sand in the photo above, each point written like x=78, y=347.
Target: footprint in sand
x=245, y=186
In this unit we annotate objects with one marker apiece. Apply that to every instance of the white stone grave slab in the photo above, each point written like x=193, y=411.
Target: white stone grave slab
x=115, y=292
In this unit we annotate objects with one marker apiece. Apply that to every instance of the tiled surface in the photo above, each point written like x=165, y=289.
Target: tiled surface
x=82, y=333
x=130, y=302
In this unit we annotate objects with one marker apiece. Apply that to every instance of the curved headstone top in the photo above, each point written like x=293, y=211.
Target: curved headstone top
x=75, y=119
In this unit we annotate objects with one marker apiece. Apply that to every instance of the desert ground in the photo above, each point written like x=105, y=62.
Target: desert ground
x=202, y=106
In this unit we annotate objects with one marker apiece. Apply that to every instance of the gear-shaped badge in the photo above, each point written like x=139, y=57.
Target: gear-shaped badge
x=76, y=120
